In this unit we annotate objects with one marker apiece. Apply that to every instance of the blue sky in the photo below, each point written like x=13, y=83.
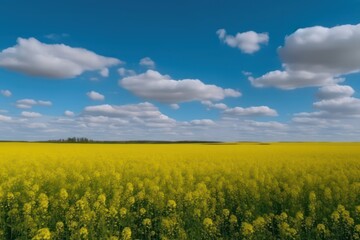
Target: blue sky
x=175, y=70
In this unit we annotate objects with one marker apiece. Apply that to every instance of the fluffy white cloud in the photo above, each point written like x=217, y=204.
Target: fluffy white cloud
x=174, y=106
x=29, y=103
x=333, y=50
x=202, y=122
x=270, y=124
x=147, y=62
x=95, y=96
x=35, y=58
x=335, y=102
x=143, y=113
x=123, y=72
x=291, y=80
x=4, y=118
x=335, y=91
x=6, y=93
x=339, y=107
x=30, y=114
x=155, y=86
x=69, y=113
x=104, y=72
x=44, y=103
x=257, y=111
x=315, y=56
x=248, y=42
x=209, y=104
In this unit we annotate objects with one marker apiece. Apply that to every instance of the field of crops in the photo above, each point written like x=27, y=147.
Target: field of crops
x=180, y=191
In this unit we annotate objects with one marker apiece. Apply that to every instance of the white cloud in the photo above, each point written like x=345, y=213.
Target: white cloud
x=29, y=103
x=44, y=103
x=30, y=114
x=123, y=72
x=335, y=91
x=69, y=113
x=155, y=86
x=248, y=42
x=270, y=124
x=104, y=72
x=333, y=50
x=315, y=56
x=35, y=58
x=335, y=102
x=56, y=36
x=6, y=93
x=147, y=62
x=291, y=80
x=4, y=118
x=209, y=104
x=202, y=122
x=95, y=96
x=145, y=114
x=339, y=107
x=246, y=73
x=174, y=106
x=257, y=111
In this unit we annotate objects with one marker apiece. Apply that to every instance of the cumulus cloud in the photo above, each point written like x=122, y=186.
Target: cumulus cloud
x=174, y=106
x=248, y=42
x=69, y=113
x=147, y=62
x=95, y=96
x=123, y=72
x=335, y=102
x=290, y=80
x=315, y=56
x=258, y=111
x=335, y=91
x=143, y=113
x=6, y=93
x=270, y=124
x=104, y=72
x=162, y=88
x=30, y=114
x=58, y=61
x=209, y=104
x=4, y=118
x=202, y=122
x=29, y=103
x=339, y=107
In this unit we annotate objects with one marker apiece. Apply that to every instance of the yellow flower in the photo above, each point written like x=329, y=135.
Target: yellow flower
x=208, y=223
x=171, y=204
x=60, y=226
x=233, y=219
x=226, y=213
x=63, y=194
x=83, y=232
x=27, y=208
x=102, y=199
x=126, y=233
x=42, y=234
x=43, y=201
x=123, y=212
x=147, y=222
x=142, y=211
x=247, y=229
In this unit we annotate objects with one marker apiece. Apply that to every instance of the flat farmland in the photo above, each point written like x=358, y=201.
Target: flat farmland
x=180, y=191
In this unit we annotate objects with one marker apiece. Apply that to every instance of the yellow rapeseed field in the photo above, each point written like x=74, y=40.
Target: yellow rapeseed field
x=180, y=191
